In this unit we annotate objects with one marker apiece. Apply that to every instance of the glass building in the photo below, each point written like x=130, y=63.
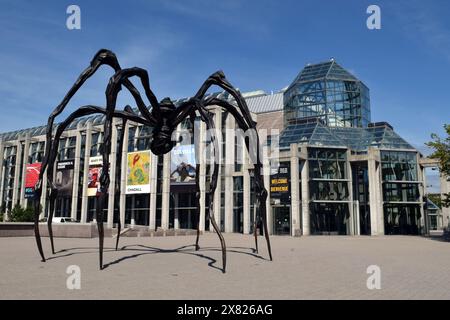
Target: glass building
x=329, y=168
x=329, y=93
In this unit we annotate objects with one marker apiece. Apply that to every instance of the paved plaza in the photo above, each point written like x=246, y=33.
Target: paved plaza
x=319, y=267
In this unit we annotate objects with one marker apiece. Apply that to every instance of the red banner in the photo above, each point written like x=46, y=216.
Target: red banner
x=31, y=178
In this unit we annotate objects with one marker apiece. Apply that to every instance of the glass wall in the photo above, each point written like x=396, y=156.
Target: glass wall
x=329, y=191
x=9, y=167
x=401, y=193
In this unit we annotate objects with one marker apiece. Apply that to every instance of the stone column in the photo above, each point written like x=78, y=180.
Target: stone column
x=2, y=174
x=87, y=155
x=422, y=191
x=112, y=175
x=375, y=197
x=165, y=197
x=153, y=189
x=445, y=188
x=266, y=176
x=76, y=173
x=26, y=152
x=43, y=196
x=176, y=218
x=217, y=193
x=229, y=168
x=306, y=224
x=16, y=194
x=295, y=192
x=123, y=176
x=247, y=193
x=351, y=228
x=202, y=177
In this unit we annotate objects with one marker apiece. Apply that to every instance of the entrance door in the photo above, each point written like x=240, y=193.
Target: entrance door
x=281, y=220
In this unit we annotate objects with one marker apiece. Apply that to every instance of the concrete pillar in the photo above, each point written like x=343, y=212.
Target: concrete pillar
x=76, y=174
x=165, y=197
x=306, y=224
x=202, y=178
x=87, y=155
x=16, y=194
x=153, y=189
x=375, y=195
x=295, y=192
x=133, y=209
x=351, y=229
x=217, y=193
x=228, y=173
x=26, y=152
x=266, y=176
x=43, y=196
x=422, y=186
x=2, y=175
x=445, y=189
x=123, y=176
x=176, y=218
x=247, y=193
x=112, y=175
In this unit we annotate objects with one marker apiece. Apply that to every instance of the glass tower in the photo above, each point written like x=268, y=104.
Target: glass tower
x=328, y=93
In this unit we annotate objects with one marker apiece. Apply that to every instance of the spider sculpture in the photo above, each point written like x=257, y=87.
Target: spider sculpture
x=164, y=118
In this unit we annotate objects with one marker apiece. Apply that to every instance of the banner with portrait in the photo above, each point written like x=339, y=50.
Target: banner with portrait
x=31, y=178
x=95, y=170
x=183, y=165
x=138, y=172
x=64, y=178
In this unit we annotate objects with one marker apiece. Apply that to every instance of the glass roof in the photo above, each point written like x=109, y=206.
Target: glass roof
x=358, y=139
x=329, y=70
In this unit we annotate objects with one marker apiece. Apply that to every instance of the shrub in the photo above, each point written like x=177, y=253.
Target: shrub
x=19, y=214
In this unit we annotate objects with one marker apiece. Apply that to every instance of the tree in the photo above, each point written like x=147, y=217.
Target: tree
x=441, y=148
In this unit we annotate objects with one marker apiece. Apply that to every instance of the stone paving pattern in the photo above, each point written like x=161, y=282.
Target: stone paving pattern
x=316, y=267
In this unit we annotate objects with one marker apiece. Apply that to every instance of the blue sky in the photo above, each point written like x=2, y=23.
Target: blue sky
x=259, y=44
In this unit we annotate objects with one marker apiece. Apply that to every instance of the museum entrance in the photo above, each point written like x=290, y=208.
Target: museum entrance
x=281, y=220
x=183, y=208
x=329, y=218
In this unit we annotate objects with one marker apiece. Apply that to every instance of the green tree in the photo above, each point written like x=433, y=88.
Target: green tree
x=441, y=152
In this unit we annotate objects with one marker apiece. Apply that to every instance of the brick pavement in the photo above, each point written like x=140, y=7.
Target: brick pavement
x=319, y=267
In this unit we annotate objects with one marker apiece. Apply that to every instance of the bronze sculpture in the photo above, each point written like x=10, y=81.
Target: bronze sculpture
x=164, y=118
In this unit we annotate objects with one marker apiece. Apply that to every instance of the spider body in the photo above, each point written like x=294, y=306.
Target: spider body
x=163, y=117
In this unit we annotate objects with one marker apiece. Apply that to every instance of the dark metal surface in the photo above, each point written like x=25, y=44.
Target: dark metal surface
x=164, y=118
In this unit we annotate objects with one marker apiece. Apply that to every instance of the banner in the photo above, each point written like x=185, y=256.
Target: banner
x=183, y=165
x=95, y=170
x=280, y=182
x=31, y=178
x=64, y=178
x=138, y=172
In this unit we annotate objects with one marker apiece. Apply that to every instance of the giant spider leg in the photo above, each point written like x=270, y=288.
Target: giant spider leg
x=197, y=180
x=211, y=127
x=102, y=57
x=81, y=112
x=257, y=167
x=112, y=90
x=218, y=78
x=119, y=172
